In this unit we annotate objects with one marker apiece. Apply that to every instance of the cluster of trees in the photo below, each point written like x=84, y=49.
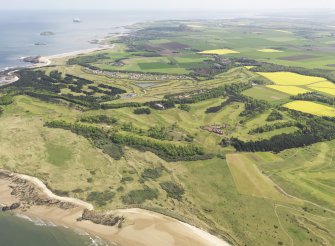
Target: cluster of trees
x=100, y=119
x=37, y=84
x=316, y=97
x=121, y=105
x=253, y=106
x=142, y=111
x=112, y=91
x=313, y=129
x=89, y=102
x=6, y=100
x=167, y=151
x=185, y=107
x=158, y=133
x=216, y=109
x=221, y=91
x=274, y=115
x=103, y=139
x=268, y=128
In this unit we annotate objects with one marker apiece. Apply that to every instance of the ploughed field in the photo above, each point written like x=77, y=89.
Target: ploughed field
x=202, y=121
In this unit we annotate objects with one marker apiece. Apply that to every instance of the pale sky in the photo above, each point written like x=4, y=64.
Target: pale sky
x=168, y=4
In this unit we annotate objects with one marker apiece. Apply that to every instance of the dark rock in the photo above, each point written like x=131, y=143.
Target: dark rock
x=14, y=206
x=32, y=59
x=5, y=208
x=101, y=218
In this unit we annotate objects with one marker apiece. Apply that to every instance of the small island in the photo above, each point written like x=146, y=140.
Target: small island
x=48, y=33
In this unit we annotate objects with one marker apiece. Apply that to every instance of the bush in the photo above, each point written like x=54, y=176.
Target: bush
x=142, y=111
x=274, y=115
x=100, y=198
x=113, y=150
x=6, y=100
x=140, y=196
x=173, y=190
x=126, y=179
x=153, y=173
x=103, y=119
x=185, y=107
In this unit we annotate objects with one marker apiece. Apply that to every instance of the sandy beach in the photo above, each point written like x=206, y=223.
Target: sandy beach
x=141, y=227
x=10, y=76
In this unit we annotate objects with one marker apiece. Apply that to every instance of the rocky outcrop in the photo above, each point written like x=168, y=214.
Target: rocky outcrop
x=14, y=206
x=32, y=59
x=29, y=194
x=100, y=218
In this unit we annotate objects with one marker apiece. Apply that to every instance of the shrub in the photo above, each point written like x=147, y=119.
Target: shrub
x=126, y=179
x=185, y=107
x=6, y=100
x=140, y=196
x=100, y=198
x=142, y=111
x=274, y=115
x=173, y=190
x=113, y=150
x=153, y=173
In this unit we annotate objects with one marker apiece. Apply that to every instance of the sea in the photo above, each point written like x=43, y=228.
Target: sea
x=20, y=32
x=20, y=230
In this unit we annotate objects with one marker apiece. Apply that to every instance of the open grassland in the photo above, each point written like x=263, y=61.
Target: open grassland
x=267, y=94
x=288, y=78
x=291, y=90
x=311, y=108
x=250, y=181
x=251, y=174
x=218, y=52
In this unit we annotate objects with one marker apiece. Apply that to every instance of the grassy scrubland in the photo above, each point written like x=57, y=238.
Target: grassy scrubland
x=77, y=126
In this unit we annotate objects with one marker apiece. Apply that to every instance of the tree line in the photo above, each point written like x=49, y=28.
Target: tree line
x=312, y=129
x=101, y=138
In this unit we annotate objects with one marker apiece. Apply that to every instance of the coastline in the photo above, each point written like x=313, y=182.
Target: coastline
x=141, y=227
x=8, y=76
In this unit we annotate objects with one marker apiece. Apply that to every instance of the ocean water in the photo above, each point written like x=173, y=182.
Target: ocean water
x=23, y=231
x=20, y=30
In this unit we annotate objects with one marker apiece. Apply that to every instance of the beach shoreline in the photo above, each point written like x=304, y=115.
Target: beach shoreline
x=141, y=227
x=8, y=76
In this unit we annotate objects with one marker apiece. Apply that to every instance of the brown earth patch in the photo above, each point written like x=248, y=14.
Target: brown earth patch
x=297, y=57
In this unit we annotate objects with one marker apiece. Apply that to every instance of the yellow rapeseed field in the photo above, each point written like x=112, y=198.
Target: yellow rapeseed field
x=291, y=90
x=270, y=51
x=218, y=52
x=288, y=78
x=325, y=87
x=311, y=108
